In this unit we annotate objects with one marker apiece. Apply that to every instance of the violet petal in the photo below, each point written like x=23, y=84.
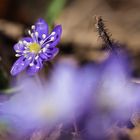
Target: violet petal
x=42, y=28
x=20, y=65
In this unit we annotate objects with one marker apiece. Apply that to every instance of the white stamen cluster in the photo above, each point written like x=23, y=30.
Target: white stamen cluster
x=35, y=35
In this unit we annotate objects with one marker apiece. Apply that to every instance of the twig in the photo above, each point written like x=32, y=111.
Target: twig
x=103, y=33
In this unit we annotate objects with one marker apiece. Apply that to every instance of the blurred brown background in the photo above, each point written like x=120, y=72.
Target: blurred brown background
x=78, y=21
x=121, y=16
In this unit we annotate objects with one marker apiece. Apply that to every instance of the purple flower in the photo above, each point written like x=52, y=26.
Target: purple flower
x=52, y=102
x=39, y=47
x=116, y=95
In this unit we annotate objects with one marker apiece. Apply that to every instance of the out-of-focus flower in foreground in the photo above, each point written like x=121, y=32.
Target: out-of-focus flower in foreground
x=39, y=47
x=116, y=95
x=54, y=101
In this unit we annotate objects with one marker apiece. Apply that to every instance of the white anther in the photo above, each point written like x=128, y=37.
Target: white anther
x=32, y=35
x=25, y=42
x=47, y=45
x=29, y=32
x=37, y=67
x=44, y=49
x=30, y=58
x=33, y=27
x=41, y=42
x=43, y=36
x=52, y=38
x=40, y=51
x=36, y=57
x=25, y=51
x=18, y=51
x=36, y=34
x=53, y=33
x=20, y=42
x=17, y=55
x=26, y=47
x=31, y=64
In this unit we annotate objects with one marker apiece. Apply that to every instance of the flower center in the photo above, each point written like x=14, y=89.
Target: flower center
x=34, y=47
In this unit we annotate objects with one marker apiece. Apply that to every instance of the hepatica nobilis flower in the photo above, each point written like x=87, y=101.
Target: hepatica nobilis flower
x=39, y=47
x=42, y=106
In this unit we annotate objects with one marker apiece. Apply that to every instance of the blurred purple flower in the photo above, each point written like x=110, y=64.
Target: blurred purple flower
x=39, y=47
x=107, y=89
x=115, y=97
x=52, y=102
